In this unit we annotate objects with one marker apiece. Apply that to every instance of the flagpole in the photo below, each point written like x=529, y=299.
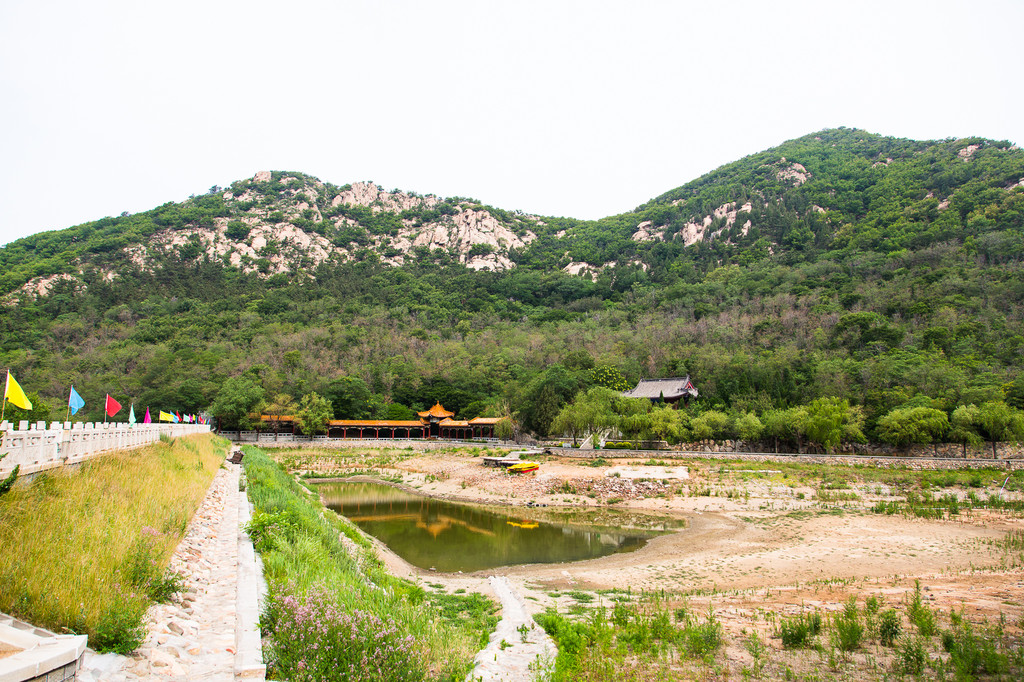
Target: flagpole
x=3, y=403
x=67, y=418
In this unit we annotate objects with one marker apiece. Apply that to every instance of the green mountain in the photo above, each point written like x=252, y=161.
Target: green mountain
x=879, y=270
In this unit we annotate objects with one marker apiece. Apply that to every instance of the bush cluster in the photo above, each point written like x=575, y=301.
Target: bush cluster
x=314, y=639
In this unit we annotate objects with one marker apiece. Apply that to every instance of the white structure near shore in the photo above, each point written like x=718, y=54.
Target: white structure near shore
x=37, y=447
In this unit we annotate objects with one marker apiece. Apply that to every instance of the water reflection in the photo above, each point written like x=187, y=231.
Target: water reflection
x=450, y=537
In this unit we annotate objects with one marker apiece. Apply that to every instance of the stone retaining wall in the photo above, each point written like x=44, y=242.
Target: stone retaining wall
x=947, y=450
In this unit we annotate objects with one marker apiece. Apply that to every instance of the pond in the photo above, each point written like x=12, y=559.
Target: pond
x=449, y=537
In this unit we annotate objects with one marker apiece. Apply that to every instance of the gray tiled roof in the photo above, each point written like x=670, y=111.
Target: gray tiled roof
x=670, y=389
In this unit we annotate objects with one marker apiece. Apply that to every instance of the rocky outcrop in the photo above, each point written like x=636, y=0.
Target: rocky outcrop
x=646, y=232
x=967, y=152
x=693, y=231
x=279, y=233
x=371, y=195
x=794, y=173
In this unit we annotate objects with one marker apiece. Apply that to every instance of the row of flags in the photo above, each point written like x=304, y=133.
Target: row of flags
x=14, y=394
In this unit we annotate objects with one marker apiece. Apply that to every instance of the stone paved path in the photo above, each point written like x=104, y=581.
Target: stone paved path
x=193, y=637
x=511, y=656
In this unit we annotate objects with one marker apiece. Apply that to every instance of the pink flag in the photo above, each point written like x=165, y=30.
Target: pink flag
x=148, y=419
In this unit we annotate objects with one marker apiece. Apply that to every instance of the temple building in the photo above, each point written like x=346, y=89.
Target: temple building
x=670, y=390
x=436, y=422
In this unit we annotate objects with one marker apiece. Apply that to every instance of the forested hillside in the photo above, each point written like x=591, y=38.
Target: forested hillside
x=882, y=272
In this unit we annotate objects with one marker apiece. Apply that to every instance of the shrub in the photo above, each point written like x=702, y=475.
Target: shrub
x=703, y=638
x=237, y=230
x=141, y=568
x=920, y=615
x=796, y=632
x=889, y=627
x=848, y=628
x=8, y=482
x=119, y=628
x=970, y=654
x=911, y=657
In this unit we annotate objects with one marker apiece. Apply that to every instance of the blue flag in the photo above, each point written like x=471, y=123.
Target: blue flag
x=75, y=401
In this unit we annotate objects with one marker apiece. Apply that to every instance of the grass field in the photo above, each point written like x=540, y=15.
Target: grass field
x=85, y=549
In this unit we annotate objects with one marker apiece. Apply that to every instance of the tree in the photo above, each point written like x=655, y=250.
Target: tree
x=832, y=421
x=1015, y=392
x=1001, y=422
x=667, y=423
x=710, y=425
x=504, y=429
x=748, y=427
x=313, y=414
x=545, y=396
x=589, y=413
x=399, y=412
x=964, y=426
x=903, y=426
x=350, y=398
x=238, y=403
x=609, y=377
x=789, y=425
x=281, y=405
x=40, y=412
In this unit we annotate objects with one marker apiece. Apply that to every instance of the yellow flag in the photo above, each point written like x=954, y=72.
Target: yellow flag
x=14, y=395
x=165, y=417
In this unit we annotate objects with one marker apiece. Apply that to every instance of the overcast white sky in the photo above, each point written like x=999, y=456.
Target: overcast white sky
x=581, y=109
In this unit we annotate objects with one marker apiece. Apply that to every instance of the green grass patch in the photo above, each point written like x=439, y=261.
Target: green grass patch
x=317, y=584
x=631, y=641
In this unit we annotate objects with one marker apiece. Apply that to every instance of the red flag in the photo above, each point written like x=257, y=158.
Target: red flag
x=112, y=406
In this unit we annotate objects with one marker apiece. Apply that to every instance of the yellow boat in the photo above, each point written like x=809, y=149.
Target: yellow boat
x=523, y=467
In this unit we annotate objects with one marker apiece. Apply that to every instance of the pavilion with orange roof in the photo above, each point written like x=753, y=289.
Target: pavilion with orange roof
x=436, y=422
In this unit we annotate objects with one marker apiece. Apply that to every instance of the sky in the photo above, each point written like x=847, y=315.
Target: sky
x=581, y=109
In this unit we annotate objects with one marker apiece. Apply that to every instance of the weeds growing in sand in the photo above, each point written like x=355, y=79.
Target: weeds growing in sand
x=640, y=638
x=798, y=632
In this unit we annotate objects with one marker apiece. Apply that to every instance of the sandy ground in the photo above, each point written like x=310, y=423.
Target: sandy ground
x=750, y=546
x=770, y=538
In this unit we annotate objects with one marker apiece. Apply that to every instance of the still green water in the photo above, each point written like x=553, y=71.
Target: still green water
x=449, y=537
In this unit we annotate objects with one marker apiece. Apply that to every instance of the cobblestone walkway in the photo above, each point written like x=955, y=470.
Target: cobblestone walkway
x=194, y=636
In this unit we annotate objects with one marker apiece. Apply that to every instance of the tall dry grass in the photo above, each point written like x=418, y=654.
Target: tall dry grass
x=68, y=538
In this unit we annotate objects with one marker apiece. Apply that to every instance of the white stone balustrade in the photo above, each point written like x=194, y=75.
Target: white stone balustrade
x=38, y=448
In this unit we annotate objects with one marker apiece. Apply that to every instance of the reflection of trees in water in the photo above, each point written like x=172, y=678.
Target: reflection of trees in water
x=450, y=537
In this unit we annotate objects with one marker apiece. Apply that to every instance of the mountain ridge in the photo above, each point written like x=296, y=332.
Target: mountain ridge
x=878, y=270
x=277, y=218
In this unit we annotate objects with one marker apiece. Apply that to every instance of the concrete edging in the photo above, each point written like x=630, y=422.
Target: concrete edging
x=43, y=655
x=251, y=586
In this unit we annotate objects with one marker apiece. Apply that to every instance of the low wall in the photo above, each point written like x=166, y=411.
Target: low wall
x=37, y=448
x=941, y=450
x=288, y=439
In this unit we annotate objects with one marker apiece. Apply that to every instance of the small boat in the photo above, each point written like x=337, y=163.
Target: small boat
x=523, y=467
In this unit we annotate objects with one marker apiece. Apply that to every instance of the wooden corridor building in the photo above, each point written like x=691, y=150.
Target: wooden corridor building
x=436, y=422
